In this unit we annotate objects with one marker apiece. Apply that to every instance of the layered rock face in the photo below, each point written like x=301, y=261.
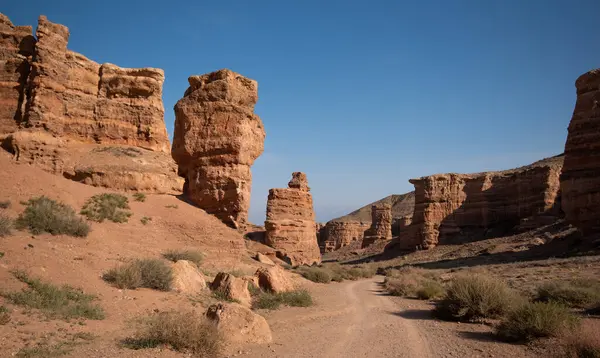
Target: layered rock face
x=217, y=139
x=341, y=233
x=381, y=225
x=60, y=107
x=445, y=204
x=580, y=179
x=290, y=224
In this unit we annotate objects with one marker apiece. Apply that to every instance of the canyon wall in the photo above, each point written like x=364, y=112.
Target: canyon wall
x=290, y=224
x=446, y=204
x=217, y=139
x=381, y=225
x=580, y=179
x=338, y=234
x=74, y=117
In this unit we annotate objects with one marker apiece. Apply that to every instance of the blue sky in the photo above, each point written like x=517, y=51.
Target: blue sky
x=361, y=95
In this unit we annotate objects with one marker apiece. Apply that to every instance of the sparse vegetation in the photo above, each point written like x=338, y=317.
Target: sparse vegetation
x=189, y=255
x=316, y=274
x=577, y=293
x=429, y=290
x=183, y=331
x=4, y=315
x=222, y=296
x=4, y=204
x=582, y=343
x=145, y=220
x=415, y=283
x=6, y=225
x=46, y=215
x=172, y=206
x=476, y=296
x=536, y=320
x=141, y=197
x=272, y=301
x=43, y=350
x=63, y=302
x=148, y=273
x=120, y=151
x=107, y=206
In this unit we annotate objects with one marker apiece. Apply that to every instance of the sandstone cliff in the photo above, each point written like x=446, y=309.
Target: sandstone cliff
x=290, y=224
x=580, y=179
x=60, y=110
x=337, y=234
x=381, y=225
x=445, y=204
x=217, y=139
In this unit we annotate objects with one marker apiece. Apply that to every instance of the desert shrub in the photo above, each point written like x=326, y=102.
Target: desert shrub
x=316, y=274
x=222, y=296
x=4, y=315
x=272, y=301
x=253, y=289
x=148, y=273
x=583, y=343
x=45, y=350
x=401, y=286
x=183, y=331
x=430, y=289
x=340, y=273
x=476, y=296
x=189, y=255
x=63, y=302
x=107, y=206
x=145, y=220
x=577, y=293
x=6, y=225
x=4, y=204
x=536, y=320
x=46, y=215
x=141, y=197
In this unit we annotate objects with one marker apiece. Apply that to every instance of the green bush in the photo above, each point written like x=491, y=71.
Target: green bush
x=577, y=293
x=148, y=273
x=536, y=320
x=183, y=331
x=46, y=215
x=107, y=206
x=141, y=197
x=272, y=301
x=6, y=225
x=476, y=296
x=316, y=274
x=63, y=302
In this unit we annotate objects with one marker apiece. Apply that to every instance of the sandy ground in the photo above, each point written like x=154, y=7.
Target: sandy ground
x=358, y=319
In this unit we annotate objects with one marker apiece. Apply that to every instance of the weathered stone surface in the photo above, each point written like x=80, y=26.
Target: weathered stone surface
x=381, y=225
x=580, y=179
x=16, y=49
x=187, y=278
x=290, y=224
x=238, y=324
x=263, y=259
x=274, y=279
x=338, y=234
x=71, y=102
x=217, y=138
x=447, y=203
x=232, y=287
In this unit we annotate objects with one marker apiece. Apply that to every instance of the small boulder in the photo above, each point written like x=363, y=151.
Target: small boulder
x=187, y=278
x=274, y=279
x=238, y=324
x=232, y=287
x=263, y=259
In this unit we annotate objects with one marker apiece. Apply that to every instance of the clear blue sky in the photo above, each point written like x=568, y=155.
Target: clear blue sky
x=361, y=95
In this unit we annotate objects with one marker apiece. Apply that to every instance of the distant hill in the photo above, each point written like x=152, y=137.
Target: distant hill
x=402, y=205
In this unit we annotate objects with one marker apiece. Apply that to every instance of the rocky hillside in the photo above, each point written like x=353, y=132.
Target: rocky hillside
x=402, y=206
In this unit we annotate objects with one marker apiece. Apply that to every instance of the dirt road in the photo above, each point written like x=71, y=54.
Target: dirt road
x=357, y=319
x=353, y=319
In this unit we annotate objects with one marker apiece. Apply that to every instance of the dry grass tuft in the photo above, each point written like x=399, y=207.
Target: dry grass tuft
x=6, y=225
x=107, y=206
x=189, y=255
x=148, y=273
x=184, y=331
x=46, y=215
x=272, y=301
x=583, y=343
x=577, y=293
x=141, y=197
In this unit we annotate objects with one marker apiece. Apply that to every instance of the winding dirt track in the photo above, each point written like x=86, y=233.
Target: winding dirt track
x=352, y=319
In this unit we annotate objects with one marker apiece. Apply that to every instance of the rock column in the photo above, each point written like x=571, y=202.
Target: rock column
x=381, y=225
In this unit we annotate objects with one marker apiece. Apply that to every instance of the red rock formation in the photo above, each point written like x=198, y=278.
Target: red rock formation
x=447, y=203
x=217, y=138
x=290, y=223
x=16, y=48
x=381, y=225
x=338, y=234
x=61, y=110
x=580, y=179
